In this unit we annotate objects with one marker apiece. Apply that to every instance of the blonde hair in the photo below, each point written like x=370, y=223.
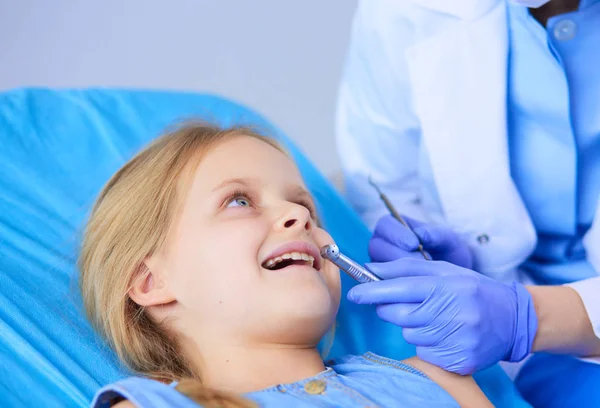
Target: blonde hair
x=130, y=221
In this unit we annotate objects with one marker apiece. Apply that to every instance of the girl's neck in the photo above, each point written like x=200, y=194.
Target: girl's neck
x=242, y=369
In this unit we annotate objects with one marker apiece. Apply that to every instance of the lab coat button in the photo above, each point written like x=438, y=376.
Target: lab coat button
x=565, y=30
x=483, y=239
x=315, y=387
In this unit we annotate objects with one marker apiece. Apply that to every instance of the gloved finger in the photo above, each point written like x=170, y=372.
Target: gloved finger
x=405, y=290
x=402, y=314
x=381, y=250
x=429, y=332
x=390, y=229
x=419, y=337
x=436, y=237
x=408, y=266
x=449, y=360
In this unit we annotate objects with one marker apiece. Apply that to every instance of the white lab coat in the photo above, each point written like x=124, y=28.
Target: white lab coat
x=422, y=109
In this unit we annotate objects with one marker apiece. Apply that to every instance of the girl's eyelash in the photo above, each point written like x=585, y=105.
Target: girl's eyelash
x=244, y=193
x=236, y=194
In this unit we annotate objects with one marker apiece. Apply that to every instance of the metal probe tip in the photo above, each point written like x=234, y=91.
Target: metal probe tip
x=375, y=186
x=397, y=216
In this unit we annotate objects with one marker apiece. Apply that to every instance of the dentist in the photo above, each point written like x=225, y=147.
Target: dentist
x=480, y=119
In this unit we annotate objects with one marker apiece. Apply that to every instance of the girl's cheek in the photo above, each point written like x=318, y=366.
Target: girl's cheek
x=322, y=237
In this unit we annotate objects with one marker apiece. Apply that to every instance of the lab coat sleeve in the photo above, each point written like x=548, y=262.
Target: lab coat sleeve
x=589, y=291
x=377, y=132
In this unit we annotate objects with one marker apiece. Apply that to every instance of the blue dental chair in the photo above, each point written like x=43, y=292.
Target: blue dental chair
x=57, y=149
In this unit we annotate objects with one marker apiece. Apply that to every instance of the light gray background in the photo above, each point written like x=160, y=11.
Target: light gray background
x=281, y=57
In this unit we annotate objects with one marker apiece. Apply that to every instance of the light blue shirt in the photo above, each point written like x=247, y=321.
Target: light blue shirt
x=351, y=382
x=554, y=134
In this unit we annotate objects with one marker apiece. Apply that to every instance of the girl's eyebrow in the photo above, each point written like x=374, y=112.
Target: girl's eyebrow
x=242, y=181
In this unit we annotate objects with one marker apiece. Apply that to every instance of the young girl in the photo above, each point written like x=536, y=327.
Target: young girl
x=200, y=265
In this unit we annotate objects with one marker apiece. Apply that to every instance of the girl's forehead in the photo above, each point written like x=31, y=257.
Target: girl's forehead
x=247, y=157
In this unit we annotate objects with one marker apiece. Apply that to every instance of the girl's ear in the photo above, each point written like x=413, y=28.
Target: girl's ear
x=149, y=287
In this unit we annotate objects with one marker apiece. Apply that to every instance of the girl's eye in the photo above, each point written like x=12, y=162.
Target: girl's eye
x=240, y=201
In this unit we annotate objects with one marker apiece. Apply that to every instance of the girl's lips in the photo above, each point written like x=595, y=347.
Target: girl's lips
x=302, y=247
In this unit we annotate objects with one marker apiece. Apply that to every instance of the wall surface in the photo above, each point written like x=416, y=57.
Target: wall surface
x=283, y=58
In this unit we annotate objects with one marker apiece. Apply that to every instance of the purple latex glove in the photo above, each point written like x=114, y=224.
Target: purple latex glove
x=392, y=240
x=459, y=320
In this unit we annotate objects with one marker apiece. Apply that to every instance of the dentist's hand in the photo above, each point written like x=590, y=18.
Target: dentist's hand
x=391, y=240
x=459, y=320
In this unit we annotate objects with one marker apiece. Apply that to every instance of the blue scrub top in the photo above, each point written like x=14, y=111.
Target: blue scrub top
x=554, y=134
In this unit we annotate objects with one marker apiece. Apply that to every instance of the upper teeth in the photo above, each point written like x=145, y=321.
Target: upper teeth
x=296, y=256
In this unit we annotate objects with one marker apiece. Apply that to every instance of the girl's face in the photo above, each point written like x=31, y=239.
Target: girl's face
x=242, y=260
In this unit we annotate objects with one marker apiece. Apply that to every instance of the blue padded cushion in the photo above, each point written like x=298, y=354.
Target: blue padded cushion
x=57, y=149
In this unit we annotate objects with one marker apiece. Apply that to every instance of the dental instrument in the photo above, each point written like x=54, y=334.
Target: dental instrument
x=332, y=253
x=397, y=216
